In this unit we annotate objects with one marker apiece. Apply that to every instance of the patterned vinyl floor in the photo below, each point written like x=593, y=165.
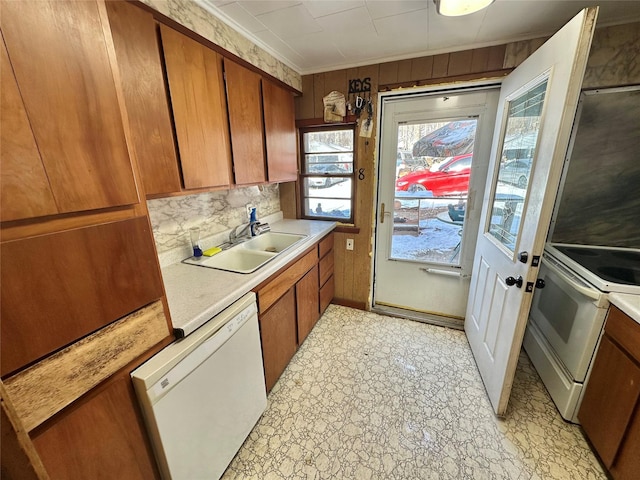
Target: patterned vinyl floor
x=375, y=397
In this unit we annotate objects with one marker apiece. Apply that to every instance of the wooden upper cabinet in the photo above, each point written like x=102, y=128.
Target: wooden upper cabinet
x=60, y=58
x=140, y=65
x=280, y=133
x=199, y=110
x=245, y=122
x=24, y=186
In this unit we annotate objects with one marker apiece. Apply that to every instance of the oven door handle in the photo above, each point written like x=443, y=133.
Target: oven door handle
x=589, y=292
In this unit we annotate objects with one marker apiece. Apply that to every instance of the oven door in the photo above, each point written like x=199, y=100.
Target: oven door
x=569, y=313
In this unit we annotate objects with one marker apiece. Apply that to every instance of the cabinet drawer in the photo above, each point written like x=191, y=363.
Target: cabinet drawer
x=326, y=268
x=277, y=287
x=624, y=330
x=326, y=245
x=326, y=294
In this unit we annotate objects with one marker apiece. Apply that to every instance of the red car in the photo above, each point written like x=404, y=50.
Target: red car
x=449, y=177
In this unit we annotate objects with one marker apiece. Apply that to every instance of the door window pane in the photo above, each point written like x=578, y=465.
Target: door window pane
x=433, y=168
x=516, y=160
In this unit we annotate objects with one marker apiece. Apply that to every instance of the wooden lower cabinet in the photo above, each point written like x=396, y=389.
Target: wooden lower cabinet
x=290, y=304
x=103, y=436
x=610, y=410
x=610, y=399
x=307, y=303
x=278, y=335
x=325, y=273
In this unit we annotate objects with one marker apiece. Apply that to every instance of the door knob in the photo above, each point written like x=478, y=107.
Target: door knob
x=514, y=281
x=540, y=283
x=523, y=257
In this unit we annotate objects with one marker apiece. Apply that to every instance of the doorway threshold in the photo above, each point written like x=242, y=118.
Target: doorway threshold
x=430, y=318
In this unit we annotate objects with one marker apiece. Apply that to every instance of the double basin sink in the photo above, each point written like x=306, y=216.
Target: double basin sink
x=250, y=255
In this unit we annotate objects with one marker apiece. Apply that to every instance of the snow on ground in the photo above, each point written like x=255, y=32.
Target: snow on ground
x=434, y=241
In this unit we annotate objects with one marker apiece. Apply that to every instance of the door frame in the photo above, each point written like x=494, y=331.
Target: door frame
x=430, y=90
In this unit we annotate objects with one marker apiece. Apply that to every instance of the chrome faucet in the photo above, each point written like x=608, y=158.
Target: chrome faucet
x=235, y=235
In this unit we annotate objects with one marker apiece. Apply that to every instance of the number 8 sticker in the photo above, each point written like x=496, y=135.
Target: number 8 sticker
x=361, y=174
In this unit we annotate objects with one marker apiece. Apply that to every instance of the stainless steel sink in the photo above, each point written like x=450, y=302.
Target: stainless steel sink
x=249, y=256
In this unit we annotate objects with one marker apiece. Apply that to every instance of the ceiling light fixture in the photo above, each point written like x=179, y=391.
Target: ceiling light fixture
x=456, y=8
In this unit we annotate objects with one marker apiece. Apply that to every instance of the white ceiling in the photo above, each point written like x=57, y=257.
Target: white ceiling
x=321, y=35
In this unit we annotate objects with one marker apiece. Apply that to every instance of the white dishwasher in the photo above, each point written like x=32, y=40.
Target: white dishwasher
x=202, y=395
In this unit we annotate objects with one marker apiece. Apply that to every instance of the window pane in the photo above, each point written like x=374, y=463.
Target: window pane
x=327, y=187
x=329, y=141
x=327, y=201
x=332, y=164
x=433, y=169
x=514, y=171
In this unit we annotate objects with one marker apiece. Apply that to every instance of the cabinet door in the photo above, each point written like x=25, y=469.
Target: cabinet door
x=199, y=110
x=24, y=185
x=307, y=303
x=245, y=122
x=59, y=287
x=610, y=399
x=280, y=133
x=139, y=62
x=59, y=55
x=278, y=335
x=100, y=436
x=627, y=464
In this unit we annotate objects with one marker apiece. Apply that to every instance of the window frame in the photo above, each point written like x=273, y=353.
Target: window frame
x=305, y=174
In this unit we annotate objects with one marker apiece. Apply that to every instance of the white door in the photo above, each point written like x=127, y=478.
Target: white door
x=424, y=253
x=537, y=105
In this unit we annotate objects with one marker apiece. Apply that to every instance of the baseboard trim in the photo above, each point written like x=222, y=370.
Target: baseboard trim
x=349, y=303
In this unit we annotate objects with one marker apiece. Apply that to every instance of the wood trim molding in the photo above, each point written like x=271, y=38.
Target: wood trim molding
x=319, y=122
x=44, y=389
x=347, y=229
x=444, y=81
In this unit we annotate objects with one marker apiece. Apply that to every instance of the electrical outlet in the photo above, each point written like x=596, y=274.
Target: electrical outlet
x=249, y=207
x=349, y=243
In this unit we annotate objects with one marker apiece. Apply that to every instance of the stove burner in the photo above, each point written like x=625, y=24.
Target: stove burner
x=629, y=276
x=585, y=252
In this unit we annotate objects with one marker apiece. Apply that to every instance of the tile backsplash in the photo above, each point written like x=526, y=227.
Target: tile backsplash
x=215, y=213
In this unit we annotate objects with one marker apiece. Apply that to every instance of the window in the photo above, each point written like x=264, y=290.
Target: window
x=327, y=173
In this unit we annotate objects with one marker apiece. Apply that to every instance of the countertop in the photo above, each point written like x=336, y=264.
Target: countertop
x=196, y=294
x=629, y=304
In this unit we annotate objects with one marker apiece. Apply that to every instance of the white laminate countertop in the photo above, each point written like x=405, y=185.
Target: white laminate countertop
x=629, y=304
x=195, y=294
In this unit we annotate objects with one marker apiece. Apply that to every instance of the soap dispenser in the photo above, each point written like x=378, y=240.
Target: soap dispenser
x=253, y=222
